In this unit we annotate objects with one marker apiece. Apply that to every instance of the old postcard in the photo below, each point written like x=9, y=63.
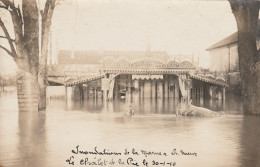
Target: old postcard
x=124, y=83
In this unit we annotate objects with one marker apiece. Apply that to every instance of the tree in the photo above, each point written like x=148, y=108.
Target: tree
x=246, y=13
x=2, y=82
x=24, y=49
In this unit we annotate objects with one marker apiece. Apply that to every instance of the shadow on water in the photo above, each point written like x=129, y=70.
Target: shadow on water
x=22, y=134
x=32, y=139
x=250, y=142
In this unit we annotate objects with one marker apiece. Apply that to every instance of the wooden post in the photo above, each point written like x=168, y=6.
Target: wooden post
x=111, y=87
x=147, y=88
x=105, y=95
x=198, y=92
x=201, y=92
x=188, y=96
x=119, y=88
x=116, y=89
x=66, y=93
x=73, y=92
x=176, y=90
x=189, y=84
x=223, y=93
x=141, y=89
x=166, y=84
x=219, y=95
x=210, y=88
x=201, y=95
x=88, y=92
x=131, y=90
x=105, y=87
x=153, y=88
x=193, y=93
x=81, y=92
x=136, y=89
x=128, y=88
x=171, y=88
x=159, y=89
x=95, y=92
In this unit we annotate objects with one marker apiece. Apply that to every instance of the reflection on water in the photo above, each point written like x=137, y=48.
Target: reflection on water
x=250, y=141
x=32, y=138
x=232, y=104
x=145, y=105
x=47, y=138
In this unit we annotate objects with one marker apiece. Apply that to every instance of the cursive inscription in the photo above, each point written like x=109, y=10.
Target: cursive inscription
x=94, y=152
x=97, y=156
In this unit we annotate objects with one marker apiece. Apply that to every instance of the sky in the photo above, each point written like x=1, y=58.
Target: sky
x=177, y=27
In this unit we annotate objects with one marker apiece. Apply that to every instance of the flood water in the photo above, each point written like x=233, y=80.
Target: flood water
x=47, y=138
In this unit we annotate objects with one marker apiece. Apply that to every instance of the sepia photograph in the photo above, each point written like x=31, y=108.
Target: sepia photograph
x=129, y=83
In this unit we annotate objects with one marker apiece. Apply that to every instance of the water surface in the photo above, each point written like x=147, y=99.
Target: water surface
x=47, y=138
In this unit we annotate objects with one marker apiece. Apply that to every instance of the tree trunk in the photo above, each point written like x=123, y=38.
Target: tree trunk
x=258, y=87
x=247, y=72
x=32, y=78
x=27, y=92
x=42, y=88
x=43, y=73
x=27, y=88
x=246, y=15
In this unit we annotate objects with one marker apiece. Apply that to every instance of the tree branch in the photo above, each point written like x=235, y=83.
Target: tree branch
x=8, y=37
x=8, y=51
x=46, y=20
x=8, y=4
x=4, y=7
x=20, y=14
x=16, y=18
x=234, y=5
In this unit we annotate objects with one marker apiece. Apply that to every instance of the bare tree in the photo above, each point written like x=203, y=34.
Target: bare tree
x=246, y=13
x=24, y=49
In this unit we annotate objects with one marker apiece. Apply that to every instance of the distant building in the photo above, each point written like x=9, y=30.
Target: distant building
x=127, y=74
x=224, y=59
x=224, y=54
x=91, y=61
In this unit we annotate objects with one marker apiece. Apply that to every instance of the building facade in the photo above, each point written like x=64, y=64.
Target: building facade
x=224, y=55
x=224, y=60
